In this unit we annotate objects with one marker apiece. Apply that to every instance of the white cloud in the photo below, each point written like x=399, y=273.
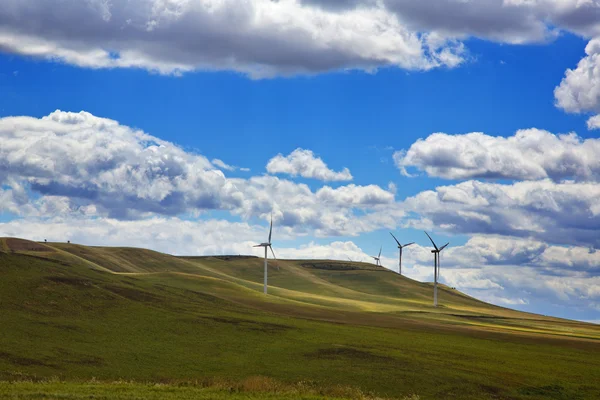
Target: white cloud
x=301, y=162
x=593, y=122
x=508, y=21
x=360, y=196
x=222, y=165
x=528, y=155
x=332, y=251
x=264, y=38
x=579, y=90
x=84, y=162
x=559, y=213
x=327, y=212
x=98, y=161
x=261, y=38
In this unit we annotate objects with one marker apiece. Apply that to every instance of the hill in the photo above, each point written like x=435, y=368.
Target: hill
x=79, y=312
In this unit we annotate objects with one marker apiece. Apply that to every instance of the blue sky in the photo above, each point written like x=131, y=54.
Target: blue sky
x=340, y=107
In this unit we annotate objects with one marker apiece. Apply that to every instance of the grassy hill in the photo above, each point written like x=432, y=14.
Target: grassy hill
x=77, y=312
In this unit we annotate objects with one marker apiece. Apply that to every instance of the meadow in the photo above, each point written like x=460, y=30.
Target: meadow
x=111, y=322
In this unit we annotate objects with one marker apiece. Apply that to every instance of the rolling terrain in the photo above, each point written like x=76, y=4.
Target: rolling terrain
x=78, y=312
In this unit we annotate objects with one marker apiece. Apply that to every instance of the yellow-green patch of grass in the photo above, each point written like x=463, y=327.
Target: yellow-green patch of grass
x=257, y=387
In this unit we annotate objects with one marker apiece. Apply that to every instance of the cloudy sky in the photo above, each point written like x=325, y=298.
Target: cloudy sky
x=181, y=125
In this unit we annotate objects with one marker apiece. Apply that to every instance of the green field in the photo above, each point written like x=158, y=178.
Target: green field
x=71, y=313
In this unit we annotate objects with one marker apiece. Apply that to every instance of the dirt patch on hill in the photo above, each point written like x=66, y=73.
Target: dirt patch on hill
x=79, y=359
x=23, y=361
x=17, y=245
x=346, y=353
x=65, y=280
x=265, y=327
x=133, y=294
x=62, y=327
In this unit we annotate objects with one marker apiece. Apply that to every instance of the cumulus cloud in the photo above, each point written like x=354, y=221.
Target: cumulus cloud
x=579, y=90
x=301, y=162
x=360, y=196
x=593, y=122
x=528, y=155
x=261, y=38
x=98, y=161
x=560, y=213
x=80, y=163
x=508, y=21
x=493, y=250
x=264, y=38
x=328, y=212
x=333, y=251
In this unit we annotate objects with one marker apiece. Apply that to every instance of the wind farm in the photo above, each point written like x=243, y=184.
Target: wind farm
x=330, y=315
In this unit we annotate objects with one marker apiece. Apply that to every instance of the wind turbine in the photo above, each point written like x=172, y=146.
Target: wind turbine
x=267, y=245
x=378, y=258
x=436, y=255
x=400, y=247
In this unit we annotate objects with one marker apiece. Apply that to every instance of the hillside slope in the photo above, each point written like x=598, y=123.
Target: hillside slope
x=79, y=312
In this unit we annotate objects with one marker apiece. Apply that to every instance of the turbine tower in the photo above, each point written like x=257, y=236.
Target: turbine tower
x=400, y=247
x=267, y=245
x=436, y=255
x=378, y=258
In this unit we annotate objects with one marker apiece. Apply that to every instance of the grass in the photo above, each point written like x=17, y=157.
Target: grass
x=170, y=319
x=256, y=387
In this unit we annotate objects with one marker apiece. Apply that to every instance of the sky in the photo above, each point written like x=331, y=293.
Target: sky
x=183, y=125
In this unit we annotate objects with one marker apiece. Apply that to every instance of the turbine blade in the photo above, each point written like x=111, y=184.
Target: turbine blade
x=432, y=242
x=444, y=246
x=379, y=256
x=395, y=239
x=258, y=245
x=275, y=258
x=271, y=228
x=408, y=244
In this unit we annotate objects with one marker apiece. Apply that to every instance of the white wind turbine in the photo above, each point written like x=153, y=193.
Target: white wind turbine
x=400, y=247
x=436, y=255
x=378, y=258
x=267, y=245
